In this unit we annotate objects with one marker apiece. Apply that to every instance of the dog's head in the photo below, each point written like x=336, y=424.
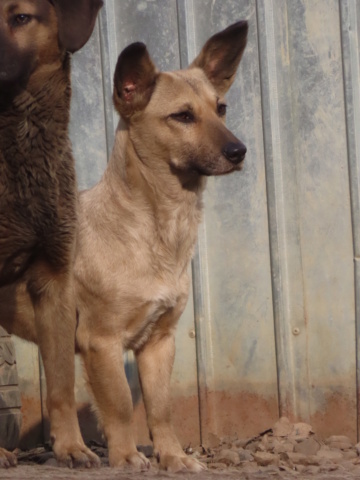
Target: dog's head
x=35, y=33
x=180, y=116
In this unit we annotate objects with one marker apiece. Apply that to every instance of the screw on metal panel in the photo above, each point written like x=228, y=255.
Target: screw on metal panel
x=192, y=333
x=296, y=331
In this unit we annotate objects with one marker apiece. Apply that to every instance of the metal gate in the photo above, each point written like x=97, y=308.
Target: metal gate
x=271, y=327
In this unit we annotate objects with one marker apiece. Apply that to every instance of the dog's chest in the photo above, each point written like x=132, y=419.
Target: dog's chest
x=37, y=187
x=155, y=311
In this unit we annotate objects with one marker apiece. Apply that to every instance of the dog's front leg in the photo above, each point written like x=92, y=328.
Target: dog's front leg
x=104, y=364
x=155, y=363
x=55, y=314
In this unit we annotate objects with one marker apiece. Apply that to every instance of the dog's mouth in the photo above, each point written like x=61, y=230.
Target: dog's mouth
x=231, y=159
x=207, y=163
x=231, y=168
x=211, y=167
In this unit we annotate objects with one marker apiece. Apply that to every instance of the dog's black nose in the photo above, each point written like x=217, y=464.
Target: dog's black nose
x=234, y=152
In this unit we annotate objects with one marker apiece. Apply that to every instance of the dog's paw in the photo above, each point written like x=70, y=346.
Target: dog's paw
x=175, y=463
x=76, y=456
x=134, y=460
x=7, y=459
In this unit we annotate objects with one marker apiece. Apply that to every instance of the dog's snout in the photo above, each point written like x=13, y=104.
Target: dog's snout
x=15, y=67
x=234, y=152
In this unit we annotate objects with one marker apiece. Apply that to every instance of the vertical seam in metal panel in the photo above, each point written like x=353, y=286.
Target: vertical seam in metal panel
x=355, y=70
x=271, y=253
x=351, y=78
x=267, y=203
x=276, y=198
x=297, y=148
x=102, y=53
x=300, y=410
x=204, y=354
x=108, y=55
x=183, y=47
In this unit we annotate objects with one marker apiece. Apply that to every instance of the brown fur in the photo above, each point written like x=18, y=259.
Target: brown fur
x=38, y=200
x=138, y=228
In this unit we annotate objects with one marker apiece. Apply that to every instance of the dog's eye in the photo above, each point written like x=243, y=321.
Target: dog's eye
x=183, y=117
x=221, y=109
x=21, y=19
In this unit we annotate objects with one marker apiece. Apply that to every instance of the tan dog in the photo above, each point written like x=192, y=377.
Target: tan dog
x=38, y=198
x=138, y=228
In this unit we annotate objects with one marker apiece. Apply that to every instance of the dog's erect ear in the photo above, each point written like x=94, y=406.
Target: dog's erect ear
x=76, y=19
x=134, y=80
x=221, y=55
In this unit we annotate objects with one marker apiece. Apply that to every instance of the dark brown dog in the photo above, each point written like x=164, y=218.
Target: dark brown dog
x=138, y=228
x=38, y=200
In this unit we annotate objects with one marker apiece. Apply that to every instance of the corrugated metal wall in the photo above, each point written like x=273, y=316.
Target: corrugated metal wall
x=276, y=272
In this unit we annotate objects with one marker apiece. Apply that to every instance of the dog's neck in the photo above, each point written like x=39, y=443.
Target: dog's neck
x=46, y=97
x=173, y=199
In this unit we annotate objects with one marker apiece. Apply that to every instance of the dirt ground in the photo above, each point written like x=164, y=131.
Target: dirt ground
x=106, y=473
x=285, y=451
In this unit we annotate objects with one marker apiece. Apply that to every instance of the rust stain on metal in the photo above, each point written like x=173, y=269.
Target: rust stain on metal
x=337, y=417
x=243, y=414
